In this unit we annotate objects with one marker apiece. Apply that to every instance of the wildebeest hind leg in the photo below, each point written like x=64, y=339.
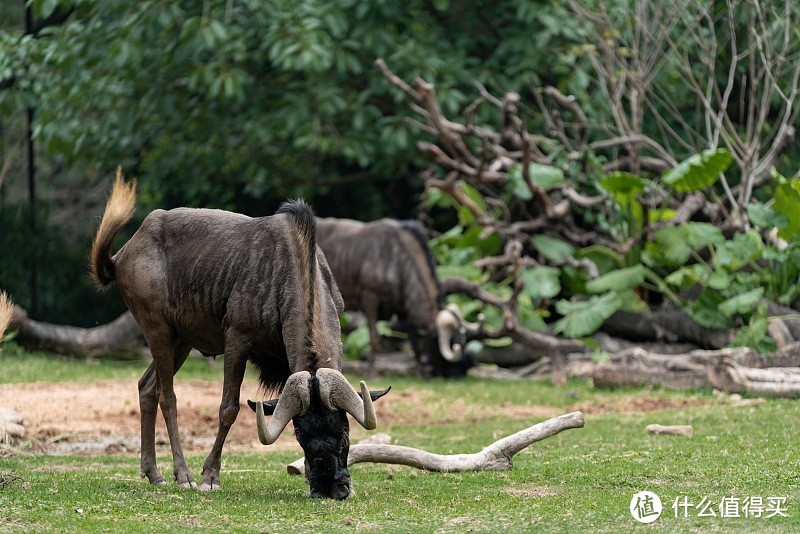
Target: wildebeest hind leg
x=148, y=409
x=163, y=346
x=235, y=363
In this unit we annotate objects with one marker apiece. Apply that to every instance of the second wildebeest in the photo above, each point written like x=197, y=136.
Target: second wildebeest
x=385, y=267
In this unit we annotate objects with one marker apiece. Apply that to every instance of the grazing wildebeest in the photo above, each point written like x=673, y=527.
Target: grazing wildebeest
x=385, y=267
x=256, y=289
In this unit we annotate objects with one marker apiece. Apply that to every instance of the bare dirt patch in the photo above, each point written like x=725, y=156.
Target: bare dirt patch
x=640, y=404
x=103, y=417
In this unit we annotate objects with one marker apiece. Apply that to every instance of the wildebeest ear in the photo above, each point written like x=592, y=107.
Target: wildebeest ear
x=269, y=406
x=375, y=395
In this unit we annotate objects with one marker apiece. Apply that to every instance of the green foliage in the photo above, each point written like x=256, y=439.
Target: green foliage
x=619, y=280
x=541, y=282
x=239, y=105
x=624, y=188
x=785, y=202
x=699, y=171
x=356, y=343
x=552, y=248
x=215, y=103
x=673, y=245
x=585, y=317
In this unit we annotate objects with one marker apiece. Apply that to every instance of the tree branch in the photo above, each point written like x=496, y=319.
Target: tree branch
x=496, y=457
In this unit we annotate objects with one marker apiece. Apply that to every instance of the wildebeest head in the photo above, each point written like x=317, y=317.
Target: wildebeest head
x=318, y=406
x=452, y=330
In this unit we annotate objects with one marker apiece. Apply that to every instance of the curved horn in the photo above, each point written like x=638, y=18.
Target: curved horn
x=447, y=324
x=337, y=393
x=294, y=400
x=470, y=328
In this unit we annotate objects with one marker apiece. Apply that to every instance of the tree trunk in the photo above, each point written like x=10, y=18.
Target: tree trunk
x=636, y=367
x=667, y=326
x=120, y=338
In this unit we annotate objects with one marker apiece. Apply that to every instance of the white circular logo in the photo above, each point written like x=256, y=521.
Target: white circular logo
x=645, y=507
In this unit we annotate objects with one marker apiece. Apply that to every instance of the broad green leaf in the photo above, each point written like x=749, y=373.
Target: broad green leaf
x=687, y=275
x=755, y=334
x=704, y=310
x=546, y=176
x=741, y=304
x=739, y=251
x=698, y=172
x=473, y=195
x=516, y=184
x=487, y=246
x=619, y=280
x=469, y=272
x=356, y=342
x=786, y=202
x=585, y=317
x=675, y=243
x=671, y=245
x=623, y=183
x=437, y=197
x=529, y=316
x=719, y=280
x=700, y=234
x=494, y=318
x=606, y=259
x=553, y=248
x=632, y=302
x=541, y=282
x=765, y=217
x=661, y=215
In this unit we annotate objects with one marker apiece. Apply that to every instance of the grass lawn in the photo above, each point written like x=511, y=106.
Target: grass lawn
x=580, y=480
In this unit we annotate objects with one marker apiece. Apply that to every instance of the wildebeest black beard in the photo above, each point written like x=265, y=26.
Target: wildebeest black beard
x=324, y=435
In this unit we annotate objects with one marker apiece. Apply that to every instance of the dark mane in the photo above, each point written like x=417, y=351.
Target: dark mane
x=303, y=217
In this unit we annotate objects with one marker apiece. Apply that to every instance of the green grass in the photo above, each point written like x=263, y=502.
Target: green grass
x=20, y=367
x=580, y=480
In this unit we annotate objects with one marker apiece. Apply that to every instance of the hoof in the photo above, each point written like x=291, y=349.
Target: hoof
x=187, y=485
x=205, y=486
x=156, y=480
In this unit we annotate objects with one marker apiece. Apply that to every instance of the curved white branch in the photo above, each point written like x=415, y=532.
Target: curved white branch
x=495, y=457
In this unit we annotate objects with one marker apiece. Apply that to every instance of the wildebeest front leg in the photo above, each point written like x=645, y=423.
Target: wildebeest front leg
x=420, y=354
x=148, y=408
x=369, y=305
x=235, y=363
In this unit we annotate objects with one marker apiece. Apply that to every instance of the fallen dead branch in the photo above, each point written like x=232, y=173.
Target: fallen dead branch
x=734, y=370
x=120, y=338
x=495, y=457
x=637, y=367
x=772, y=382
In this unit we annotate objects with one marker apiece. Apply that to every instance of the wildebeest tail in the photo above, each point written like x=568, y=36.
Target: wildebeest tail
x=119, y=210
x=418, y=231
x=6, y=312
x=303, y=217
